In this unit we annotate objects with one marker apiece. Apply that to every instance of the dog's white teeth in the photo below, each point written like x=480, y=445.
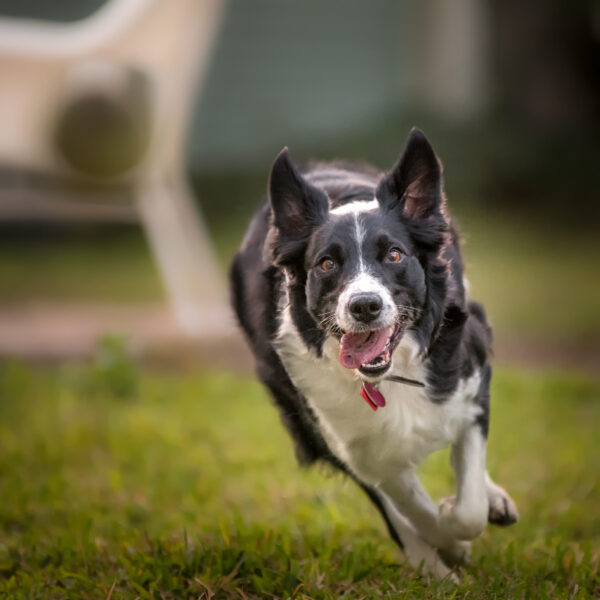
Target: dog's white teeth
x=380, y=361
x=389, y=342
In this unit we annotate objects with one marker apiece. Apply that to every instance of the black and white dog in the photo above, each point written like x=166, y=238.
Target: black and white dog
x=349, y=286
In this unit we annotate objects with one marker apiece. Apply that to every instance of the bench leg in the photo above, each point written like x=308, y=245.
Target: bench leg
x=185, y=257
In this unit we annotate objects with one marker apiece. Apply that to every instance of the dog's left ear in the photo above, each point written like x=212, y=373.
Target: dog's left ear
x=297, y=206
x=414, y=185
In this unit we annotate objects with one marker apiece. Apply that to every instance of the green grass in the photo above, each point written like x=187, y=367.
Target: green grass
x=128, y=483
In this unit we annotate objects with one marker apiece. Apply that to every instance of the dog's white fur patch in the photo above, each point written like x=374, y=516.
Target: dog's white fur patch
x=467, y=286
x=357, y=206
x=334, y=175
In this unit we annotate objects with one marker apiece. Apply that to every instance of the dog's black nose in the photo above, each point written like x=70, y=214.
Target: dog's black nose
x=365, y=307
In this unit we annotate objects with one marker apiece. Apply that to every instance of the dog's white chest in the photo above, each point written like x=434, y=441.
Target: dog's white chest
x=394, y=437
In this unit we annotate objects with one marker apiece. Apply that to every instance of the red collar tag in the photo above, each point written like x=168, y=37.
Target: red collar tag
x=372, y=396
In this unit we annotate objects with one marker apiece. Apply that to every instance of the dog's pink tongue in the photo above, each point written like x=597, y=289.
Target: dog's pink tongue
x=359, y=348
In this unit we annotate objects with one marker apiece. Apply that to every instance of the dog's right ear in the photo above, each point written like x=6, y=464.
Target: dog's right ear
x=296, y=205
x=414, y=184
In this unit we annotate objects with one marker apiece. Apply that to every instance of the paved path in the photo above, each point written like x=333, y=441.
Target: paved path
x=68, y=331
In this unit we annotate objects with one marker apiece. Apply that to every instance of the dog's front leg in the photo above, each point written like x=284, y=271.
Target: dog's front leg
x=465, y=516
x=412, y=500
x=419, y=553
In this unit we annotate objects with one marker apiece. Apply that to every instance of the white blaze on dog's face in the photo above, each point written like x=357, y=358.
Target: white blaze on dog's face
x=365, y=302
x=358, y=261
x=364, y=284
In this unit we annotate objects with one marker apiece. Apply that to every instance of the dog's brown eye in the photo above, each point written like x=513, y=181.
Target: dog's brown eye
x=327, y=264
x=394, y=255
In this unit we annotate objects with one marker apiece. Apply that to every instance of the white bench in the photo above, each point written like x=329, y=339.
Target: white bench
x=44, y=66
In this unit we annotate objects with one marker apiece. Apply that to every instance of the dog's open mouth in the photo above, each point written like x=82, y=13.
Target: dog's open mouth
x=370, y=351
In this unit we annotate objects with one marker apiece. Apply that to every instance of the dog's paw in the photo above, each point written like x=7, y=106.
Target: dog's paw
x=503, y=511
x=429, y=560
x=447, y=505
x=461, y=524
x=456, y=554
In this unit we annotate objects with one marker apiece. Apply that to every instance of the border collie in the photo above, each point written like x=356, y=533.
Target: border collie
x=349, y=287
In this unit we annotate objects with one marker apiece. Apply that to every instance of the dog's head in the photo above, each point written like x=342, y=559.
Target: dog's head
x=363, y=270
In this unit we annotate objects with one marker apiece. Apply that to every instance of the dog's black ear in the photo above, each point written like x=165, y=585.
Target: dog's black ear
x=296, y=205
x=415, y=183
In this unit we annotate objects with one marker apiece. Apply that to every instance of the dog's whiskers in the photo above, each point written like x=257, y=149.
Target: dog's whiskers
x=328, y=322
x=407, y=313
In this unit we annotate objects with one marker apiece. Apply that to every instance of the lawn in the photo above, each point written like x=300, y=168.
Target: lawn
x=121, y=482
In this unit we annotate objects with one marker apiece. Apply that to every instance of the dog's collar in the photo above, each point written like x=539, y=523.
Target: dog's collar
x=406, y=380
x=375, y=399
